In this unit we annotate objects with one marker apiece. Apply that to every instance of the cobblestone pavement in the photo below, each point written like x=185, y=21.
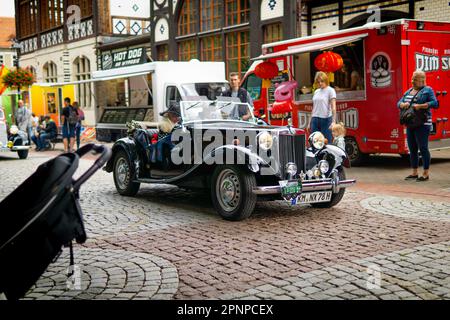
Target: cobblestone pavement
x=386, y=240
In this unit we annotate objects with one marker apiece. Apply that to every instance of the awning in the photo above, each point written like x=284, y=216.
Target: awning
x=314, y=46
x=105, y=75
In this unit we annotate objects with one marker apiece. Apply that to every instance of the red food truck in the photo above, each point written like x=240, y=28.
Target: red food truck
x=378, y=61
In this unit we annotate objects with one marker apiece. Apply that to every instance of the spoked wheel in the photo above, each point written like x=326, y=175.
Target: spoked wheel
x=123, y=175
x=231, y=192
x=354, y=153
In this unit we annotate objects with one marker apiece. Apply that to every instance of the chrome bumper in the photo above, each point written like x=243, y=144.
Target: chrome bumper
x=308, y=186
x=17, y=148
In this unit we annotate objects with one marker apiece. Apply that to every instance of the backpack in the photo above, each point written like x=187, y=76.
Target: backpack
x=73, y=116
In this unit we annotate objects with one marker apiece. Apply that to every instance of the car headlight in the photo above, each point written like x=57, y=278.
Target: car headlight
x=291, y=168
x=265, y=140
x=317, y=140
x=14, y=130
x=324, y=166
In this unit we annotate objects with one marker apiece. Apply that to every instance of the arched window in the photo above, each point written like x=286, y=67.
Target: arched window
x=82, y=71
x=50, y=72
x=237, y=12
x=211, y=14
x=187, y=19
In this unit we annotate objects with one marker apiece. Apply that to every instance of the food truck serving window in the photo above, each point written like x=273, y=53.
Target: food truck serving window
x=348, y=81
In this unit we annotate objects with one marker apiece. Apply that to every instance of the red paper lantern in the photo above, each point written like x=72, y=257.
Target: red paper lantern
x=266, y=70
x=328, y=62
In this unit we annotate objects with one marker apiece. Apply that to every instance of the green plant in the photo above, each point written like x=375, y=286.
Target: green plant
x=18, y=78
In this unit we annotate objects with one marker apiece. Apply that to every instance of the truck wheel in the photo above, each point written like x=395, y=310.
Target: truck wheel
x=336, y=197
x=354, y=154
x=123, y=175
x=23, y=154
x=232, y=192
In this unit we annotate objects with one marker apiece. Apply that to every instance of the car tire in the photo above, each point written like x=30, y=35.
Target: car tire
x=23, y=154
x=336, y=197
x=355, y=155
x=124, y=172
x=239, y=203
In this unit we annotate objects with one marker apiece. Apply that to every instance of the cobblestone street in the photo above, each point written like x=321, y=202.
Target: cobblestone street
x=387, y=239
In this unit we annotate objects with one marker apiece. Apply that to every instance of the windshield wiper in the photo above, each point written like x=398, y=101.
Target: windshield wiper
x=197, y=103
x=225, y=105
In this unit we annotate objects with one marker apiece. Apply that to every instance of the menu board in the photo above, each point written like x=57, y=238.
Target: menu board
x=124, y=115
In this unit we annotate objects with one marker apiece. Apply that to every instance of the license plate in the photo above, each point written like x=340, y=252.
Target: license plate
x=314, y=197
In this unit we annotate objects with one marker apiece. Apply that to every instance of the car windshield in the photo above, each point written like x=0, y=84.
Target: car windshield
x=209, y=91
x=216, y=110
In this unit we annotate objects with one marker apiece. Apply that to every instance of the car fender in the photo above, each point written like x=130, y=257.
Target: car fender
x=340, y=156
x=242, y=155
x=126, y=144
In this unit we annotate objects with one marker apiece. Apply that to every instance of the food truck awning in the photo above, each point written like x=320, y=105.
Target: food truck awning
x=310, y=47
x=111, y=74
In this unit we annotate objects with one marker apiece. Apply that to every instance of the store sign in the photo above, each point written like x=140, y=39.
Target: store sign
x=123, y=58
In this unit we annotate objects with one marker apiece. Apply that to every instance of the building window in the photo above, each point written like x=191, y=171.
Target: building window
x=162, y=52
x=52, y=14
x=273, y=33
x=211, y=48
x=28, y=15
x=237, y=11
x=50, y=72
x=82, y=71
x=211, y=14
x=85, y=6
x=187, y=50
x=238, y=52
x=188, y=18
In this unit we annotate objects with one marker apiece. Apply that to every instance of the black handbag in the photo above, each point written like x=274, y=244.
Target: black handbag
x=412, y=118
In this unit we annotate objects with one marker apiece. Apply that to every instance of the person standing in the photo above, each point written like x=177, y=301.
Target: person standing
x=422, y=98
x=70, y=119
x=323, y=115
x=23, y=118
x=237, y=92
x=79, y=124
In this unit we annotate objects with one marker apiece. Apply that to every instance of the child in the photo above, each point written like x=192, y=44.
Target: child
x=338, y=131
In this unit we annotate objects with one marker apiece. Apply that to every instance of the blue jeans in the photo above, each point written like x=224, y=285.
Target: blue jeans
x=322, y=125
x=418, y=140
x=42, y=140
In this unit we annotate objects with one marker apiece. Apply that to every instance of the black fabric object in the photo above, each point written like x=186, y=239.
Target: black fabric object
x=242, y=94
x=412, y=118
x=36, y=220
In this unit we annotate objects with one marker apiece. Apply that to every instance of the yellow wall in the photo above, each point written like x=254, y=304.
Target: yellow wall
x=41, y=98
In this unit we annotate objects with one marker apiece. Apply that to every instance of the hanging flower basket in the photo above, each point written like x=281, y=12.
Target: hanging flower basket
x=18, y=78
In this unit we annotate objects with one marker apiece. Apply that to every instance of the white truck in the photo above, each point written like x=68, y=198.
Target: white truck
x=165, y=82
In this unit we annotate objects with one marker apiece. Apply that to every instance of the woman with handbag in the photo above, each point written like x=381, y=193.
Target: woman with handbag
x=420, y=99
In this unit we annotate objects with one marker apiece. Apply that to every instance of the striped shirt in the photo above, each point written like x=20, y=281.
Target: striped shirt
x=408, y=98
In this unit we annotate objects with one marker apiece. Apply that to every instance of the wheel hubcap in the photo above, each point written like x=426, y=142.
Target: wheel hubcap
x=122, y=173
x=352, y=150
x=228, y=190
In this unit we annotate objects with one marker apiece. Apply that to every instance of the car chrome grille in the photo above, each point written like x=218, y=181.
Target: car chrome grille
x=292, y=149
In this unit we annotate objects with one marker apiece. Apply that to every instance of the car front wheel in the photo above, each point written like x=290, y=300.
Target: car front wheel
x=232, y=192
x=336, y=197
x=123, y=175
x=23, y=154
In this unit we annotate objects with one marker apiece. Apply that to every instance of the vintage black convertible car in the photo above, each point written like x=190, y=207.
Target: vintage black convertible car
x=238, y=161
